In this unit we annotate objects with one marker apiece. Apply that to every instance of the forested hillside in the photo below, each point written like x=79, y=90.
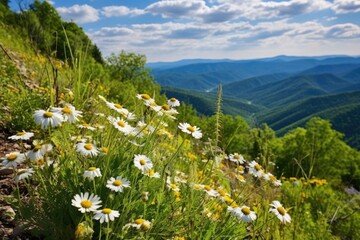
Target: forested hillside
x=93, y=148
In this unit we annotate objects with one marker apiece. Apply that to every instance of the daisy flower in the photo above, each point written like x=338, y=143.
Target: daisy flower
x=41, y=163
x=172, y=186
x=211, y=192
x=173, y=102
x=86, y=203
x=198, y=186
x=142, y=162
x=237, y=158
x=192, y=130
x=22, y=135
x=243, y=213
x=86, y=149
x=280, y=212
x=23, y=173
x=46, y=119
x=69, y=112
x=92, y=173
x=140, y=224
x=38, y=151
x=151, y=173
x=118, y=184
x=165, y=109
x=121, y=125
x=255, y=169
x=106, y=215
x=12, y=159
x=148, y=101
x=86, y=126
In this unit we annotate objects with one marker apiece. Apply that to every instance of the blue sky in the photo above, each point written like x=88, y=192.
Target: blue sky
x=168, y=30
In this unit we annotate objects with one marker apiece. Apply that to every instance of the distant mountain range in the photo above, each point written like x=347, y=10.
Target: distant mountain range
x=283, y=91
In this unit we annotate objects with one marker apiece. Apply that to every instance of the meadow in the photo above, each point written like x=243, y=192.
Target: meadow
x=103, y=155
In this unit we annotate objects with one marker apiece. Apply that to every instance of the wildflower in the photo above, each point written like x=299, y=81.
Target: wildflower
x=104, y=150
x=148, y=101
x=237, y=158
x=198, y=186
x=280, y=212
x=86, y=126
x=255, y=169
x=46, y=119
x=86, y=149
x=173, y=102
x=240, y=178
x=121, y=125
x=22, y=135
x=12, y=159
x=172, y=186
x=140, y=224
x=192, y=130
x=243, y=213
x=86, y=203
x=142, y=162
x=38, y=151
x=23, y=173
x=92, y=173
x=83, y=231
x=151, y=173
x=69, y=113
x=106, y=215
x=211, y=192
x=118, y=184
x=41, y=163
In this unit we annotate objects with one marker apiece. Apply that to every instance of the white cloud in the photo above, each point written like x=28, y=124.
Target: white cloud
x=346, y=6
x=79, y=13
x=121, y=11
x=177, y=8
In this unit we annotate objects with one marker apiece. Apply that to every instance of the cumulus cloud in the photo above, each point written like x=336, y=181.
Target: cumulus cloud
x=79, y=13
x=177, y=8
x=121, y=11
x=346, y=6
x=113, y=31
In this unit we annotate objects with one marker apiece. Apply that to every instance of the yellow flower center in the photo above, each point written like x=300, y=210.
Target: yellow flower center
x=40, y=162
x=191, y=129
x=106, y=211
x=197, y=186
x=117, y=183
x=118, y=106
x=245, y=210
x=173, y=186
x=139, y=221
x=166, y=107
x=293, y=179
x=92, y=168
x=86, y=125
x=237, y=156
x=11, y=157
x=281, y=210
x=207, y=187
x=105, y=150
x=37, y=148
x=48, y=114
x=88, y=146
x=20, y=133
x=142, y=162
x=221, y=192
x=145, y=96
x=241, y=177
x=173, y=99
x=66, y=110
x=151, y=172
x=86, y=204
x=121, y=123
x=257, y=167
